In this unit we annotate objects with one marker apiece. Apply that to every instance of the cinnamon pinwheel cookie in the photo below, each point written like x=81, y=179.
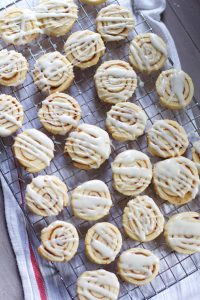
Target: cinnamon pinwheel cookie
x=103, y=242
x=176, y=180
x=88, y=146
x=147, y=53
x=142, y=219
x=126, y=121
x=84, y=48
x=115, y=81
x=98, y=284
x=167, y=138
x=56, y=17
x=138, y=266
x=175, y=89
x=33, y=149
x=114, y=22
x=11, y=115
x=59, y=113
x=46, y=195
x=196, y=154
x=53, y=73
x=91, y=200
x=18, y=26
x=182, y=232
x=13, y=68
x=132, y=172
x=59, y=242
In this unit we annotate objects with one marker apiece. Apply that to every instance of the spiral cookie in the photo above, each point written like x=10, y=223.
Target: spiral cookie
x=11, y=115
x=167, y=138
x=126, y=121
x=59, y=241
x=148, y=53
x=18, y=26
x=176, y=180
x=33, y=149
x=56, y=17
x=84, y=48
x=88, y=146
x=142, y=219
x=13, y=68
x=196, y=154
x=114, y=22
x=115, y=81
x=53, y=73
x=98, y=284
x=103, y=242
x=46, y=195
x=182, y=232
x=132, y=172
x=59, y=113
x=175, y=89
x=138, y=266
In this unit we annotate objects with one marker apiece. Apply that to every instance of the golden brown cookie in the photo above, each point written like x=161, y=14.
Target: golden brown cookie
x=196, y=154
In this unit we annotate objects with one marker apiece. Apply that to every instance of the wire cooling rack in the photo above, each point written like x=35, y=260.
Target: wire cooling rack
x=173, y=266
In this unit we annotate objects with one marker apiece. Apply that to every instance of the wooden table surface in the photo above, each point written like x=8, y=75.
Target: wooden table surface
x=182, y=19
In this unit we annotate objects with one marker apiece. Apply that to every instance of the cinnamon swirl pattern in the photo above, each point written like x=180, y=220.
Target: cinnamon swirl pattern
x=182, y=232
x=93, y=2
x=142, y=219
x=138, y=266
x=115, y=81
x=103, y=242
x=148, y=53
x=196, y=154
x=46, y=195
x=33, y=149
x=84, y=48
x=59, y=242
x=98, y=284
x=176, y=180
x=132, y=172
x=91, y=200
x=11, y=115
x=114, y=22
x=59, y=113
x=167, y=139
x=53, y=73
x=88, y=146
x=126, y=121
x=13, y=68
x=175, y=89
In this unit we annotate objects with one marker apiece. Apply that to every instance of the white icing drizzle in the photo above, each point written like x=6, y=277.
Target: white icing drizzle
x=157, y=43
x=196, y=146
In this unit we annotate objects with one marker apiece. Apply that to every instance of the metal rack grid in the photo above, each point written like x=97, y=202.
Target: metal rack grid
x=173, y=266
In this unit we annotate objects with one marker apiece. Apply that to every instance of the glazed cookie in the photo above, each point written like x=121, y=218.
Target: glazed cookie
x=33, y=149
x=46, y=195
x=126, y=121
x=11, y=115
x=138, y=266
x=53, y=73
x=182, y=232
x=88, y=146
x=176, y=180
x=98, y=284
x=59, y=242
x=132, y=172
x=175, y=89
x=56, y=17
x=115, y=81
x=148, y=53
x=93, y=2
x=114, y=22
x=59, y=113
x=167, y=138
x=142, y=219
x=84, y=48
x=196, y=154
x=103, y=242
x=91, y=200
x=13, y=68
x=18, y=26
